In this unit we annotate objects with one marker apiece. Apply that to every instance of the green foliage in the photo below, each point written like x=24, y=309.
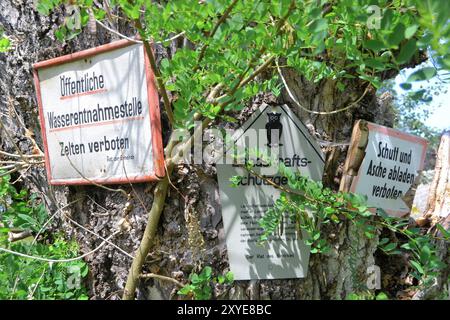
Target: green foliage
x=342, y=40
x=76, y=15
x=367, y=296
x=5, y=43
x=23, y=278
x=313, y=207
x=200, y=288
x=413, y=106
x=424, y=260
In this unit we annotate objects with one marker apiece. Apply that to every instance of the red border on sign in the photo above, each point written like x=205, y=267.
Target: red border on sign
x=153, y=104
x=400, y=135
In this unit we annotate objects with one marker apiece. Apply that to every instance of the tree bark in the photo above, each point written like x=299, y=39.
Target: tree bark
x=438, y=212
x=331, y=276
x=438, y=204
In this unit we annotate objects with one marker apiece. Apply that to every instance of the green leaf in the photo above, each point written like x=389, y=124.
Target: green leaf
x=422, y=74
x=382, y=296
x=407, y=51
x=353, y=296
x=5, y=44
x=425, y=254
x=185, y=290
x=318, y=25
x=229, y=277
x=374, y=45
x=444, y=232
x=383, y=241
x=164, y=64
x=236, y=22
x=406, y=246
x=397, y=35
x=417, y=266
x=60, y=33
x=410, y=31
x=206, y=273
x=390, y=246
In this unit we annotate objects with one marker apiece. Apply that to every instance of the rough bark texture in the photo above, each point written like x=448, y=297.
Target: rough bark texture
x=438, y=212
x=439, y=194
x=191, y=233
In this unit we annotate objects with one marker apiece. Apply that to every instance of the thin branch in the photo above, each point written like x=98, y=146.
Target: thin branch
x=93, y=182
x=159, y=277
x=260, y=69
x=117, y=32
x=17, y=236
x=172, y=38
x=12, y=155
x=213, y=32
x=36, y=285
x=161, y=87
x=44, y=226
x=136, y=40
x=98, y=236
x=59, y=260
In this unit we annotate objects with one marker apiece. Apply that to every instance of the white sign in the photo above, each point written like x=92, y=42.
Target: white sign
x=99, y=116
x=284, y=256
x=389, y=168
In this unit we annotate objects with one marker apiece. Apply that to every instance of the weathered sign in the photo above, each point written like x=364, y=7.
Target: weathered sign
x=388, y=166
x=99, y=116
x=286, y=255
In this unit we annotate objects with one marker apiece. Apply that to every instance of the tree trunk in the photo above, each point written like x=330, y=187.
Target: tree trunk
x=438, y=205
x=438, y=212
x=191, y=233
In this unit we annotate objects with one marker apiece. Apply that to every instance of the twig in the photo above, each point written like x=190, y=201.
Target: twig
x=161, y=87
x=117, y=32
x=159, y=277
x=59, y=260
x=99, y=236
x=12, y=155
x=136, y=40
x=51, y=218
x=93, y=182
x=17, y=236
x=37, y=283
x=213, y=32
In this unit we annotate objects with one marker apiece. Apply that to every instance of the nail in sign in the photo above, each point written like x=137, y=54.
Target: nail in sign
x=99, y=116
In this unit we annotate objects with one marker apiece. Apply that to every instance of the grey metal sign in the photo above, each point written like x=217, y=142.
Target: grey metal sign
x=286, y=255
